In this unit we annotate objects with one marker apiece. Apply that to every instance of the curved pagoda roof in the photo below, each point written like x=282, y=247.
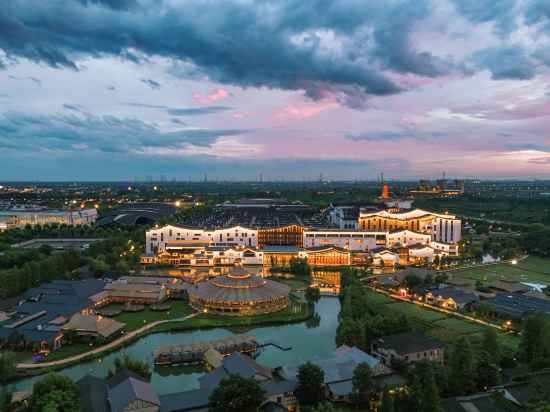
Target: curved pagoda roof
x=240, y=286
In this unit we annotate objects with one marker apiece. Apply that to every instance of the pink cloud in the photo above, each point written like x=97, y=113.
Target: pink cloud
x=241, y=115
x=213, y=96
x=304, y=110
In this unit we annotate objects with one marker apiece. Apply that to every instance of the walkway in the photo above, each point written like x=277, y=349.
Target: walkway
x=110, y=345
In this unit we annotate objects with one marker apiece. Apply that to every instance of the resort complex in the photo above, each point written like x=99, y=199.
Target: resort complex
x=409, y=236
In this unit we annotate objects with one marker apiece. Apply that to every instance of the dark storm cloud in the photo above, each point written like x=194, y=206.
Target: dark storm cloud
x=76, y=132
x=233, y=42
x=151, y=83
x=501, y=12
x=507, y=62
x=183, y=111
x=538, y=12
x=114, y=4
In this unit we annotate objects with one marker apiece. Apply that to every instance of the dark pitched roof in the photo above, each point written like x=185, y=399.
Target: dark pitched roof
x=185, y=401
x=235, y=364
x=125, y=387
x=409, y=342
x=93, y=394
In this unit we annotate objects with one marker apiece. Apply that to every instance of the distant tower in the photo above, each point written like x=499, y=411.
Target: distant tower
x=385, y=188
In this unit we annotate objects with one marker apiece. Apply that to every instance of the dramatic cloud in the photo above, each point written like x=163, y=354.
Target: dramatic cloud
x=234, y=42
x=501, y=12
x=72, y=133
x=510, y=62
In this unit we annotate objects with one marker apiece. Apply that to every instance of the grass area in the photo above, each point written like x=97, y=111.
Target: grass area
x=135, y=320
x=416, y=311
x=294, y=283
x=295, y=312
x=532, y=269
x=447, y=328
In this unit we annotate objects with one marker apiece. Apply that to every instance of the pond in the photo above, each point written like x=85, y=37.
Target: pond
x=308, y=342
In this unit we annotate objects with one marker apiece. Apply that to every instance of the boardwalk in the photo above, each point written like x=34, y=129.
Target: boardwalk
x=111, y=345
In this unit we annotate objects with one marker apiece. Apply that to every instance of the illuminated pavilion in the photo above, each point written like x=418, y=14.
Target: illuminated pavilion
x=239, y=293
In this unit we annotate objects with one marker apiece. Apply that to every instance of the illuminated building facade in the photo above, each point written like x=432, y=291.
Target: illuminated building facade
x=239, y=293
x=290, y=235
x=442, y=227
x=20, y=218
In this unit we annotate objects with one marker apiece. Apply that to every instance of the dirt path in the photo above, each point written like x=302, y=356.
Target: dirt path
x=110, y=345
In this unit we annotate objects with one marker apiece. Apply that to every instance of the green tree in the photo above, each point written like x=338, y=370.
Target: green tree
x=54, y=393
x=362, y=384
x=142, y=368
x=424, y=389
x=462, y=367
x=387, y=403
x=312, y=295
x=8, y=367
x=487, y=372
x=325, y=407
x=534, y=346
x=5, y=400
x=236, y=394
x=310, y=389
x=489, y=344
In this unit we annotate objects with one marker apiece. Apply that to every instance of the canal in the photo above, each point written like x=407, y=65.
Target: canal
x=308, y=340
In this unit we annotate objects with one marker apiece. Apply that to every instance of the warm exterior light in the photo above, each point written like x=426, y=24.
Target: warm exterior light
x=178, y=203
x=96, y=206
x=514, y=261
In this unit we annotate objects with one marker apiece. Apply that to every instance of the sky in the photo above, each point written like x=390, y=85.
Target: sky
x=127, y=89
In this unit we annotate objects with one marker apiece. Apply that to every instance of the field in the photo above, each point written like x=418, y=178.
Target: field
x=445, y=327
x=533, y=269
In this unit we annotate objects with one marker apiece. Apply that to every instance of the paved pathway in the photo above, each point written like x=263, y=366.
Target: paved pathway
x=110, y=345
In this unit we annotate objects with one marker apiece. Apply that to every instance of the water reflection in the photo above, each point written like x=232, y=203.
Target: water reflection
x=320, y=338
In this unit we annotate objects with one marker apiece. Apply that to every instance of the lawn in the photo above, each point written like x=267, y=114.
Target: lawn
x=135, y=320
x=532, y=269
x=294, y=283
x=416, y=311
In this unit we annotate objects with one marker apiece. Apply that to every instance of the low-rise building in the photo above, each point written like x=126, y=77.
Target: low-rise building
x=408, y=347
x=93, y=326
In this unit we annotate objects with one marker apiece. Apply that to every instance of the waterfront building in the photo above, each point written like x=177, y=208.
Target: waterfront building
x=239, y=293
x=280, y=255
x=327, y=256
x=22, y=217
x=93, y=326
x=442, y=227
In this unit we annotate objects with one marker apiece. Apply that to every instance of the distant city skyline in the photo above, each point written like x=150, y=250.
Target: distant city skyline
x=113, y=89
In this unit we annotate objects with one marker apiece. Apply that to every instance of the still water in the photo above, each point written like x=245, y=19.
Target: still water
x=307, y=343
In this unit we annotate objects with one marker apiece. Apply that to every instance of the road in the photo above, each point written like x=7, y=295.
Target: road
x=108, y=346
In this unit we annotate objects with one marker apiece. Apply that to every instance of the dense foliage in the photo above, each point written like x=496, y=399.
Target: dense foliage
x=142, y=368
x=54, y=393
x=309, y=390
x=236, y=394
